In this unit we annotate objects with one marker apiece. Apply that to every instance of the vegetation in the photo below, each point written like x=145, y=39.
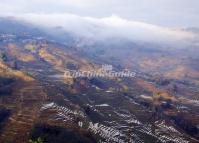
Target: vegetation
x=30, y=47
x=56, y=134
x=4, y=114
x=187, y=125
x=5, y=86
x=38, y=140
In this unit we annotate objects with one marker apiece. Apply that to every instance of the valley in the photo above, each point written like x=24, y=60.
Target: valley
x=159, y=104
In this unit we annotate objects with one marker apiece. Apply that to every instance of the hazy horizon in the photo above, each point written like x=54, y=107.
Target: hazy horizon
x=168, y=13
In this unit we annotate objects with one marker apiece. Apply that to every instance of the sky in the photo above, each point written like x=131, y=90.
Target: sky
x=170, y=13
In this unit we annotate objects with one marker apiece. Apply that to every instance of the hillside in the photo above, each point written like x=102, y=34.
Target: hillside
x=159, y=104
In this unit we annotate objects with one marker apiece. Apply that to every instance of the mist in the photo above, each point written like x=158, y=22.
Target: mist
x=156, y=21
x=100, y=29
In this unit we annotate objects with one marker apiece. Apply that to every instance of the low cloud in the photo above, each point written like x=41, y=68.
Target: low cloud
x=108, y=27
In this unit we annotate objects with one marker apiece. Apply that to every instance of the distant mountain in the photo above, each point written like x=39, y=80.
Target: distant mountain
x=12, y=26
x=193, y=29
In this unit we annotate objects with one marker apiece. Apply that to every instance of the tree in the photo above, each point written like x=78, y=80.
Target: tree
x=38, y=140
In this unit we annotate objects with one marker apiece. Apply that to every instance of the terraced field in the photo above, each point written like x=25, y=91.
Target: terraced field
x=25, y=105
x=37, y=101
